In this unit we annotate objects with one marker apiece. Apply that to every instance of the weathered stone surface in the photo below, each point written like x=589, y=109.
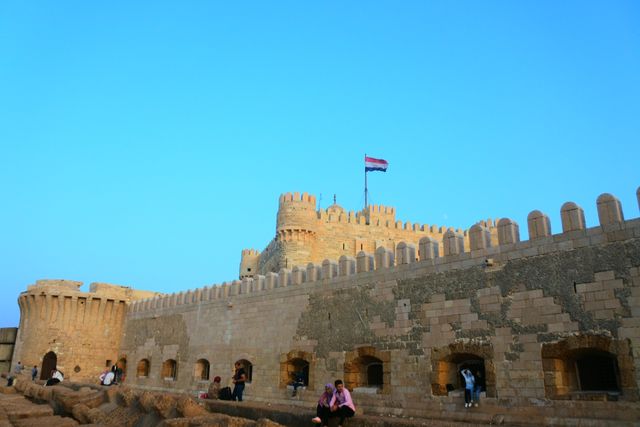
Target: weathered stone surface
x=187, y=407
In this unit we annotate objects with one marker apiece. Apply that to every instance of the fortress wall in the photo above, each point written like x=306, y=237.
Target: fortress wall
x=248, y=326
x=83, y=329
x=7, y=343
x=511, y=306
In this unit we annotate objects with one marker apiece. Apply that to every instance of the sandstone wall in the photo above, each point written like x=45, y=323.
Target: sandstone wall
x=81, y=330
x=525, y=311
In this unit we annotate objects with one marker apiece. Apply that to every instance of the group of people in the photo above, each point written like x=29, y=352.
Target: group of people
x=334, y=402
x=472, y=388
x=18, y=370
x=239, y=378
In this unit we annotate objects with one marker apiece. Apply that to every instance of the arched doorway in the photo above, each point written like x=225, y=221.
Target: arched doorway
x=49, y=363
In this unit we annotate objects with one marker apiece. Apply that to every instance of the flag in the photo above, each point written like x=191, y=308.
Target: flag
x=371, y=164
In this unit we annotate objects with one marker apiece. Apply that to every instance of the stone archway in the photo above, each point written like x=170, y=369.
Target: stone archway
x=368, y=368
x=49, y=363
x=296, y=365
x=447, y=362
x=582, y=366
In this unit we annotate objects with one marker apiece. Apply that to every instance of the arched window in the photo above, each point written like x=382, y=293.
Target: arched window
x=248, y=368
x=584, y=366
x=364, y=371
x=169, y=370
x=142, y=370
x=294, y=370
x=367, y=368
x=374, y=374
x=201, y=370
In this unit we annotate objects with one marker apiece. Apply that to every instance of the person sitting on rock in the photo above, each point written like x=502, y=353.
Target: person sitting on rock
x=107, y=378
x=55, y=378
x=214, y=388
x=341, y=404
x=323, y=410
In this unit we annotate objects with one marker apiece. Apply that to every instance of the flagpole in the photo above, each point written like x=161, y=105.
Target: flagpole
x=365, y=181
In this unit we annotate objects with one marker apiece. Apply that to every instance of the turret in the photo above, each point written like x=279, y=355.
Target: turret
x=296, y=212
x=249, y=263
x=379, y=215
x=296, y=228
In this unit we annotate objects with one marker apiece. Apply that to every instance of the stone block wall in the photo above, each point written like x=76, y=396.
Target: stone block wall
x=78, y=332
x=533, y=318
x=7, y=343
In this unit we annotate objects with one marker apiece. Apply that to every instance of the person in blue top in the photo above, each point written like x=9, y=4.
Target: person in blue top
x=469, y=381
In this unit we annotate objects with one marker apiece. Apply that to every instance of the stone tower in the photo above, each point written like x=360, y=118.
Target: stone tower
x=296, y=229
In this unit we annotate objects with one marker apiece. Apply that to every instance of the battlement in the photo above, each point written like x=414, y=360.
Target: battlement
x=380, y=209
x=62, y=284
x=297, y=197
x=428, y=258
x=250, y=252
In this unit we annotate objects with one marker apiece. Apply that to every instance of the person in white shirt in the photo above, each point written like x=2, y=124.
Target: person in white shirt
x=107, y=378
x=56, y=377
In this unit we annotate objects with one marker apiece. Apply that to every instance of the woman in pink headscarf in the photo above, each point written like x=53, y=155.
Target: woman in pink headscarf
x=323, y=410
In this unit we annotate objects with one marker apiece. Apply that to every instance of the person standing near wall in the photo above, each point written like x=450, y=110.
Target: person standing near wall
x=469, y=381
x=34, y=373
x=239, y=377
x=477, y=388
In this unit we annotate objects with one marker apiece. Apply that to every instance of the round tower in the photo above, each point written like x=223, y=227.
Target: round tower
x=78, y=332
x=296, y=229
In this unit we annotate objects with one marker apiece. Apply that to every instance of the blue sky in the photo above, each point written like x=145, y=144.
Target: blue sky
x=146, y=143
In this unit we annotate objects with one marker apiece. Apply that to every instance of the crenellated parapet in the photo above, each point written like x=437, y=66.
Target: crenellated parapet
x=486, y=243
x=55, y=312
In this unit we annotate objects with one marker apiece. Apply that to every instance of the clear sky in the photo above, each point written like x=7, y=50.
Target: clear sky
x=146, y=143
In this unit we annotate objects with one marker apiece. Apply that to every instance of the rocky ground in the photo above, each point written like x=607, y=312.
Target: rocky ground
x=69, y=404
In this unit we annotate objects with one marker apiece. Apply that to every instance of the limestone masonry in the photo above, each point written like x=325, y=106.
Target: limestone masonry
x=550, y=326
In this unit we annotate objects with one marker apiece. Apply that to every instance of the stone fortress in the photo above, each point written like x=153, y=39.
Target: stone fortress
x=551, y=325
x=304, y=234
